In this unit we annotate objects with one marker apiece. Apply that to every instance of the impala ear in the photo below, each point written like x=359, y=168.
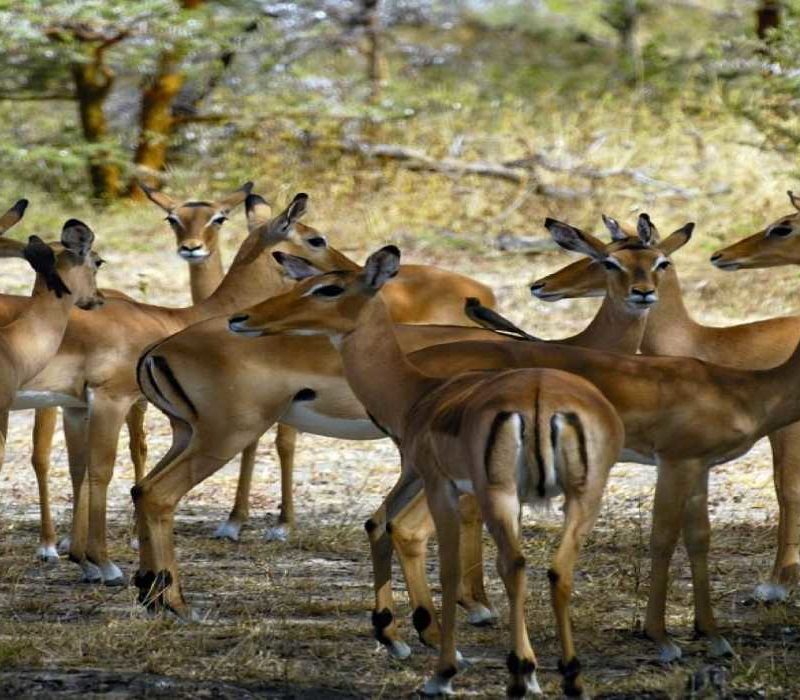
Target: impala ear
x=13, y=215
x=617, y=234
x=380, y=267
x=794, y=199
x=571, y=238
x=298, y=207
x=42, y=259
x=77, y=237
x=295, y=267
x=646, y=230
x=257, y=210
x=677, y=239
x=235, y=198
x=157, y=197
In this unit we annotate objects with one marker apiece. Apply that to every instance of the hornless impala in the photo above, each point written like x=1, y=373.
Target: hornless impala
x=506, y=437
x=65, y=275
x=282, y=377
x=763, y=344
x=196, y=225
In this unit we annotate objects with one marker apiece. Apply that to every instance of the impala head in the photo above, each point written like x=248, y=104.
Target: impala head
x=630, y=267
x=320, y=303
x=68, y=267
x=285, y=233
x=777, y=244
x=196, y=224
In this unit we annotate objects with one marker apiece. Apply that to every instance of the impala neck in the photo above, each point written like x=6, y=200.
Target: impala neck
x=36, y=334
x=776, y=392
x=614, y=328
x=378, y=371
x=670, y=330
x=249, y=279
x=205, y=277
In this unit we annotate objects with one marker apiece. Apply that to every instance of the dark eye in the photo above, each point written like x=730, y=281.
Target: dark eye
x=329, y=290
x=219, y=220
x=610, y=265
x=663, y=265
x=780, y=230
x=99, y=262
x=316, y=242
x=174, y=222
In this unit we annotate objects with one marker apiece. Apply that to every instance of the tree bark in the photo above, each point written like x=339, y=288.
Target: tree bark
x=768, y=16
x=156, y=120
x=376, y=62
x=93, y=83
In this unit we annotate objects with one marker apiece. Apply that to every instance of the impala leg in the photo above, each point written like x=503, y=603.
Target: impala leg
x=137, y=437
x=3, y=434
x=675, y=482
x=443, y=503
x=43, y=428
x=106, y=417
x=285, y=442
x=579, y=519
x=76, y=423
x=786, y=469
x=405, y=493
x=472, y=594
x=232, y=527
x=410, y=531
x=156, y=498
x=697, y=537
x=137, y=443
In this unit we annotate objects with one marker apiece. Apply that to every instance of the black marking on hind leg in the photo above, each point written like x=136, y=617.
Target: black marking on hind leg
x=517, y=666
x=571, y=671
x=498, y=421
x=370, y=526
x=537, y=445
x=421, y=619
x=380, y=621
x=153, y=383
x=575, y=422
x=552, y=576
x=136, y=492
x=163, y=366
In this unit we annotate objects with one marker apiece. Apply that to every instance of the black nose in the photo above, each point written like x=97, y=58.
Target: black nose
x=536, y=286
x=239, y=318
x=191, y=248
x=716, y=257
x=642, y=292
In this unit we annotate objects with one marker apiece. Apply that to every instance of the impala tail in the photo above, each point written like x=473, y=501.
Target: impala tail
x=161, y=387
x=549, y=449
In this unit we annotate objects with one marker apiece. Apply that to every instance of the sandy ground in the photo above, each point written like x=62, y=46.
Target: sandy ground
x=292, y=619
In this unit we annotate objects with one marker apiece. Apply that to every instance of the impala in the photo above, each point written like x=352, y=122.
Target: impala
x=507, y=437
x=253, y=384
x=671, y=330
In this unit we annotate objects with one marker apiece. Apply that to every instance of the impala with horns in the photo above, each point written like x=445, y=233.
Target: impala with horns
x=282, y=377
x=506, y=438
x=671, y=330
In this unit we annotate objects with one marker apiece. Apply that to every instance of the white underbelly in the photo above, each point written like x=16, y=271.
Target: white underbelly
x=45, y=399
x=305, y=419
x=636, y=457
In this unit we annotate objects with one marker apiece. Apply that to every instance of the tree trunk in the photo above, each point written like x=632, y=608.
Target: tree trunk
x=93, y=82
x=156, y=120
x=768, y=16
x=376, y=62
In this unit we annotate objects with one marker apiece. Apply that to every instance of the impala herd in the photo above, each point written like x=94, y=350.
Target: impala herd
x=485, y=416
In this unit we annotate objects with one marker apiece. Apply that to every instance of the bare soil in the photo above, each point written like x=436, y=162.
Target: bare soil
x=291, y=620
